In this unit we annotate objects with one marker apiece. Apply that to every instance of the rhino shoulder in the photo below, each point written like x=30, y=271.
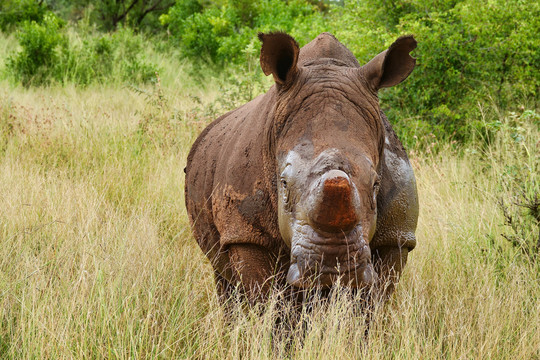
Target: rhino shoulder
x=224, y=176
x=397, y=201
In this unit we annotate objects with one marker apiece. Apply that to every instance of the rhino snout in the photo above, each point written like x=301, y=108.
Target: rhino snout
x=333, y=205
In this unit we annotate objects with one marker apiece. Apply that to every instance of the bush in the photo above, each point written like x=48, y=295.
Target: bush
x=50, y=53
x=14, y=12
x=222, y=33
x=35, y=63
x=469, y=53
x=102, y=58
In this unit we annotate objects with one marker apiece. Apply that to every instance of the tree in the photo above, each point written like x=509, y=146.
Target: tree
x=108, y=14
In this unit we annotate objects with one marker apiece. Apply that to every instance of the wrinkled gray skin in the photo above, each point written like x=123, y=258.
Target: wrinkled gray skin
x=307, y=184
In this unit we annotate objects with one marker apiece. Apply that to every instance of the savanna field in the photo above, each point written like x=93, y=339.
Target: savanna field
x=97, y=259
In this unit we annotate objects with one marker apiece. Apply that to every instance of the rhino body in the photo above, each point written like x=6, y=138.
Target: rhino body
x=307, y=184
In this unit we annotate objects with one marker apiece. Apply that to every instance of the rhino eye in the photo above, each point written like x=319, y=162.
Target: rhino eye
x=376, y=186
x=286, y=191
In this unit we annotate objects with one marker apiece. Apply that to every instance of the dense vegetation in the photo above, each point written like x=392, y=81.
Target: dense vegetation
x=100, y=102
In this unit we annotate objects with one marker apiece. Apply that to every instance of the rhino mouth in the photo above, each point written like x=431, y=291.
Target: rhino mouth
x=319, y=260
x=358, y=277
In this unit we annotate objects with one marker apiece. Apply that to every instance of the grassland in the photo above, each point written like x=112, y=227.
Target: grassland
x=97, y=259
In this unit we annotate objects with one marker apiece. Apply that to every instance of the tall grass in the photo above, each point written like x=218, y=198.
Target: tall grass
x=97, y=259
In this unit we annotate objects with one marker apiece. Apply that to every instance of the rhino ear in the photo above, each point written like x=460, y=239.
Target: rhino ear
x=279, y=56
x=392, y=66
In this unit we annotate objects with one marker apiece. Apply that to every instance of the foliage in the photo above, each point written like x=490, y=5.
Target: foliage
x=50, y=53
x=128, y=12
x=39, y=55
x=220, y=31
x=108, y=15
x=14, y=12
x=102, y=58
x=469, y=52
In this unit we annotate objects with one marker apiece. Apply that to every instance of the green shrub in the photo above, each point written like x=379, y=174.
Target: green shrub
x=474, y=52
x=222, y=32
x=178, y=14
x=128, y=57
x=470, y=54
x=14, y=12
x=86, y=60
x=103, y=58
x=35, y=63
x=50, y=53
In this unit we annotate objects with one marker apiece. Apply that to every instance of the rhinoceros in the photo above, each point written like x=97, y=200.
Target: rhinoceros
x=307, y=185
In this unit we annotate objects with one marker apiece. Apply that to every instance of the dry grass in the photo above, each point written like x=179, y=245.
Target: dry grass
x=97, y=259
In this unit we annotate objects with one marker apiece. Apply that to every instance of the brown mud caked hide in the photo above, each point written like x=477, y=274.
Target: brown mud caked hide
x=307, y=185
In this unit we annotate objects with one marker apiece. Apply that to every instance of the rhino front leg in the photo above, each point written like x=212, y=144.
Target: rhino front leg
x=254, y=267
x=389, y=262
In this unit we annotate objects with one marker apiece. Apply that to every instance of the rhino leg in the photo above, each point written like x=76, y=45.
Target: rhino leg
x=389, y=262
x=254, y=268
x=223, y=286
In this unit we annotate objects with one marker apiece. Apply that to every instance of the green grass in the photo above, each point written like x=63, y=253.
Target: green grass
x=97, y=259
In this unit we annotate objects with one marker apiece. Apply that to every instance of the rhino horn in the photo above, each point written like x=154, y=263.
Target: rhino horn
x=335, y=205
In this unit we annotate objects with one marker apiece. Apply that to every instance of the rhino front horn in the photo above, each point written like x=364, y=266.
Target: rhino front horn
x=334, y=205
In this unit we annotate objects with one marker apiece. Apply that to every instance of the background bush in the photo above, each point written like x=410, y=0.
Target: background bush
x=36, y=61
x=50, y=52
x=110, y=57
x=14, y=12
x=220, y=31
x=469, y=52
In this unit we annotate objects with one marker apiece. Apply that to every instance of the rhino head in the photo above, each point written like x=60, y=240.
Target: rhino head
x=326, y=146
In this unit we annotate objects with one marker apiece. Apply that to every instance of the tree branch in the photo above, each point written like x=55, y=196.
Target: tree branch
x=154, y=7
x=121, y=17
